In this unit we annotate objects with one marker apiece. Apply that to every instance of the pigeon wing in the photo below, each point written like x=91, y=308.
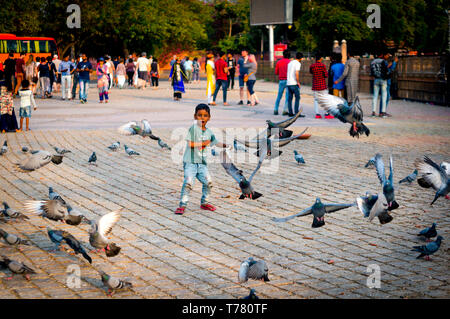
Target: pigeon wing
x=331, y=103
x=379, y=165
x=391, y=170
x=284, y=141
x=258, y=270
x=330, y=208
x=432, y=173
x=304, y=212
x=285, y=123
x=35, y=161
x=127, y=129
x=106, y=222
x=230, y=168
x=260, y=161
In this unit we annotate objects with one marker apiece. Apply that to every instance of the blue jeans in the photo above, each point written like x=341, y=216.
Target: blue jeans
x=379, y=84
x=192, y=171
x=388, y=94
x=281, y=87
x=84, y=86
x=293, y=90
x=224, y=84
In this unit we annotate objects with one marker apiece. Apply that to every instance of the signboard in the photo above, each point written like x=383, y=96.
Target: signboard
x=278, y=50
x=269, y=12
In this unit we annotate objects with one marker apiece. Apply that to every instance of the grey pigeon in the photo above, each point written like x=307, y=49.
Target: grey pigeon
x=213, y=152
x=318, y=210
x=244, y=184
x=52, y=209
x=373, y=206
x=387, y=184
x=134, y=128
x=114, y=146
x=56, y=236
x=428, y=249
x=253, y=269
x=74, y=217
x=238, y=147
x=76, y=246
x=340, y=109
x=410, y=178
x=445, y=166
x=13, y=240
x=163, y=144
x=128, y=128
x=370, y=163
x=434, y=175
x=37, y=159
x=61, y=151
x=100, y=229
x=93, y=159
x=130, y=151
x=16, y=267
x=4, y=148
x=52, y=195
x=252, y=295
x=299, y=158
x=428, y=232
x=114, y=283
x=10, y=213
x=25, y=149
x=280, y=127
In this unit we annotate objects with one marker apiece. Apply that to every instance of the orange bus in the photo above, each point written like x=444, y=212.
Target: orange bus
x=37, y=46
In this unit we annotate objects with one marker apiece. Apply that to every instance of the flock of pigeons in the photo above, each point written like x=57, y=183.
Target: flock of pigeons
x=431, y=175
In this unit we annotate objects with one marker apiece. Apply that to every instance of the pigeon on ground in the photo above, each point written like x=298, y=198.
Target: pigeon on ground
x=318, y=210
x=16, y=267
x=429, y=232
x=10, y=213
x=253, y=269
x=100, y=229
x=299, y=158
x=387, y=184
x=244, y=184
x=435, y=176
x=53, y=209
x=340, y=109
x=4, y=148
x=114, y=146
x=14, y=240
x=76, y=246
x=130, y=151
x=25, y=149
x=252, y=295
x=56, y=236
x=37, y=159
x=74, y=217
x=213, y=152
x=93, y=159
x=61, y=151
x=373, y=205
x=52, y=195
x=370, y=163
x=114, y=283
x=428, y=249
x=163, y=144
x=238, y=147
x=410, y=178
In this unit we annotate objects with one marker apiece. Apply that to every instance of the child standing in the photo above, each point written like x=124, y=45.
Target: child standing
x=194, y=159
x=26, y=100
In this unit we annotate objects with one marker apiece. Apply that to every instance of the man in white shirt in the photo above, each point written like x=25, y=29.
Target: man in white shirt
x=143, y=67
x=293, y=83
x=56, y=62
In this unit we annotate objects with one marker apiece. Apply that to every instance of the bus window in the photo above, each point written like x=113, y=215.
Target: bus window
x=36, y=46
x=12, y=46
x=3, y=46
x=26, y=46
x=52, y=47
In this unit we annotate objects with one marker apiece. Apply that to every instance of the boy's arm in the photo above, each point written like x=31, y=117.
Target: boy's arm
x=32, y=101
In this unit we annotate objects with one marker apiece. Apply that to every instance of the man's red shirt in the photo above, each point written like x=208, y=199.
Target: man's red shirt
x=281, y=68
x=220, y=70
x=319, y=72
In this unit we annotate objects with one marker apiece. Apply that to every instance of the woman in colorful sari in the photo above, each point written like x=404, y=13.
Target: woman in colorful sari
x=210, y=78
x=8, y=121
x=102, y=80
x=177, y=75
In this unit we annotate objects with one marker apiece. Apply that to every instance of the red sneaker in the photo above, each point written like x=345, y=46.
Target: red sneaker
x=180, y=210
x=208, y=207
x=329, y=116
x=318, y=116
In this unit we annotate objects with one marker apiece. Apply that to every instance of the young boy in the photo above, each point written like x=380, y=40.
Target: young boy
x=26, y=100
x=194, y=159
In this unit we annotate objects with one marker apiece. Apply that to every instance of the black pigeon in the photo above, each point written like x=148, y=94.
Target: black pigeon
x=56, y=236
x=429, y=232
x=76, y=246
x=279, y=128
x=252, y=295
x=25, y=149
x=410, y=178
x=4, y=148
x=434, y=175
x=387, y=184
x=318, y=210
x=93, y=158
x=428, y=249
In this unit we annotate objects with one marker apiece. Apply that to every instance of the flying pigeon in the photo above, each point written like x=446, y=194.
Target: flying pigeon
x=370, y=163
x=373, y=206
x=252, y=295
x=100, y=229
x=346, y=113
x=93, y=159
x=130, y=151
x=134, y=128
x=410, y=178
x=445, y=166
x=4, y=148
x=428, y=249
x=279, y=128
x=114, y=283
x=244, y=184
x=37, y=159
x=435, y=176
x=13, y=240
x=8, y=212
x=429, y=232
x=238, y=147
x=114, y=146
x=253, y=269
x=299, y=158
x=54, y=209
x=16, y=267
x=127, y=129
x=76, y=246
x=61, y=151
x=318, y=210
x=163, y=144
x=387, y=184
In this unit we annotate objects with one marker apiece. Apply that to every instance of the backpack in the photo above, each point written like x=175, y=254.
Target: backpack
x=379, y=69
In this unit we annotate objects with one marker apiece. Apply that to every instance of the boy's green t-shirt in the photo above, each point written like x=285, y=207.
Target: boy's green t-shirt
x=194, y=154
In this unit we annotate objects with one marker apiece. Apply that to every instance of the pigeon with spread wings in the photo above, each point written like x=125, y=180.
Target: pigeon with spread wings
x=38, y=159
x=244, y=184
x=135, y=128
x=346, y=113
x=434, y=175
x=387, y=184
x=279, y=128
x=101, y=229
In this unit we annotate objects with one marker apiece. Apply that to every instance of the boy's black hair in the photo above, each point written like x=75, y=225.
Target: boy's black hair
x=286, y=54
x=202, y=106
x=43, y=59
x=299, y=55
x=318, y=56
x=25, y=84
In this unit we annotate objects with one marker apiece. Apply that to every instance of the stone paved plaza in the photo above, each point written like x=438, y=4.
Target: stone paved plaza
x=198, y=255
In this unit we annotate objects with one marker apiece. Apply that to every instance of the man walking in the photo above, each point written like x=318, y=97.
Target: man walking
x=281, y=69
x=20, y=66
x=351, y=77
x=56, y=63
x=379, y=70
x=231, y=71
x=188, y=68
x=293, y=83
x=84, y=68
x=242, y=72
x=10, y=70
x=143, y=66
x=66, y=77
x=221, y=78
x=319, y=85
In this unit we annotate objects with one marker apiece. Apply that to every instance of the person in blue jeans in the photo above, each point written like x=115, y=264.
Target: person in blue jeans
x=281, y=71
x=379, y=70
x=293, y=83
x=391, y=69
x=194, y=160
x=84, y=68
